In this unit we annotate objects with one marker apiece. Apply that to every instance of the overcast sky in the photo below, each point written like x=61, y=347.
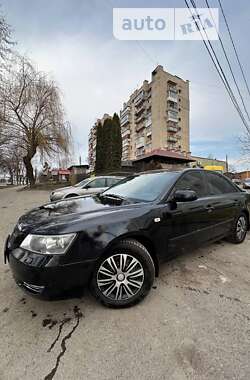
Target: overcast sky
x=73, y=41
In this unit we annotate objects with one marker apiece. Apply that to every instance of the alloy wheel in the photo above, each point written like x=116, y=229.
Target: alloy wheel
x=120, y=277
x=241, y=227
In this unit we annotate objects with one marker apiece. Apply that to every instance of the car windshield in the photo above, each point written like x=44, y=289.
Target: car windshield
x=143, y=187
x=82, y=183
x=247, y=180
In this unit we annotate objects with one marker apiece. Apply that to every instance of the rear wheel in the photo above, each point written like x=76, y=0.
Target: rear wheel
x=124, y=276
x=239, y=229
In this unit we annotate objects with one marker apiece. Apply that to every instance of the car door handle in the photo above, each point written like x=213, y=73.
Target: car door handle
x=209, y=208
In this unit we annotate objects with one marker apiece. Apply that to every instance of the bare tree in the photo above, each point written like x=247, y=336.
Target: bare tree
x=5, y=48
x=31, y=113
x=6, y=42
x=11, y=161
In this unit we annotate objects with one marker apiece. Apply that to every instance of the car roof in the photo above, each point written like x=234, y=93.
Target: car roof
x=170, y=171
x=106, y=176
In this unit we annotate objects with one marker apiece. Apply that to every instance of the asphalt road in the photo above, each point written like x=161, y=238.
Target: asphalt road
x=195, y=324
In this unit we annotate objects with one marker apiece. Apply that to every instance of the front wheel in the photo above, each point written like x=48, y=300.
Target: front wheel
x=124, y=276
x=239, y=229
x=71, y=196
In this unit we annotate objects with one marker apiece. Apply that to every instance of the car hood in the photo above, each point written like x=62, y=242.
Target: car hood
x=70, y=215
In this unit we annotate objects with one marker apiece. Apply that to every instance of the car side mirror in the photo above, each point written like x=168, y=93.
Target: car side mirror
x=86, y=187
x=184, y=196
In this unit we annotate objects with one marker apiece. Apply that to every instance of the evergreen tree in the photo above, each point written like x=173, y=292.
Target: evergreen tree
x=99, y=163
x=108, y=146
x=117, y=142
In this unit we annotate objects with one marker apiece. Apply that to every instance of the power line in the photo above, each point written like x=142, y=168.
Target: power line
x=236, y=53
x=228, y=62
x=139, y=44
x=217, y=64
x=148, y=55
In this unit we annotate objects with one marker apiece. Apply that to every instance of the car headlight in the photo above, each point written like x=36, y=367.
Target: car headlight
x=56, y=194
x=48, y=244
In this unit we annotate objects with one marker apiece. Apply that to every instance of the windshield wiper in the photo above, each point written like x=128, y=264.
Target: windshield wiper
x=114, y=196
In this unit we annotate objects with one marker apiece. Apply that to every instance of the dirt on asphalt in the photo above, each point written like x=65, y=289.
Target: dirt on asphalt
x=195, y=323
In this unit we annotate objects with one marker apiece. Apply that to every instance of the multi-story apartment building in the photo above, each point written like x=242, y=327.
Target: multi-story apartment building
x=156, y=116
x=92, y=141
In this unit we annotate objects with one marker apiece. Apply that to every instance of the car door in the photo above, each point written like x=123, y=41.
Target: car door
x=223, y=201
x=97, y=185
x=185, y=225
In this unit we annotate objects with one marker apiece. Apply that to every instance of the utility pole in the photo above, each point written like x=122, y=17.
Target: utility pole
x=226, y=163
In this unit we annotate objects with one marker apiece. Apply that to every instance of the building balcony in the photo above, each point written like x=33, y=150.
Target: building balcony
x=125, y=132
x=148, y=122
x=140, y=142
x=172, y=116
x=140, y=98
x=172, y=86
x=172, y=96
x=124, y=120
x=173, y=129
x=126, y=143
x=172, y=139
x=125, y=111
x=140, y=152
x=139, y=127
x=140, y=109
x=172, y=106
x=140, y=118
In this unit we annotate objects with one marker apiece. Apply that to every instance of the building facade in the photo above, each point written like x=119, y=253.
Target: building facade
x=242, y=175
x=92, y=141
x=156, y=116
x=210, y=164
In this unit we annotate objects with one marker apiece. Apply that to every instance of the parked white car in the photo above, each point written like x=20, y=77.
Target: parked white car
x=88, y=186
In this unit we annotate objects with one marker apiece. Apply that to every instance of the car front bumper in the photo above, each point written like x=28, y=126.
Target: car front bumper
x=38, y=278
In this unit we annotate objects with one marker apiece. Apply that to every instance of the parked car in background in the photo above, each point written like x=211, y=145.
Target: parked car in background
x=237, y=181
x=88, y=186
x=246, y=183
x=115, y=241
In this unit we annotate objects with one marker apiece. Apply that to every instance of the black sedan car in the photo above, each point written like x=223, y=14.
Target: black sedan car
x=115, y=241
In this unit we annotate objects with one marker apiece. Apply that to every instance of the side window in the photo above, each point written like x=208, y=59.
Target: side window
x=218, y=184
x=99, y=182
x=111, y=181
x=192, y=181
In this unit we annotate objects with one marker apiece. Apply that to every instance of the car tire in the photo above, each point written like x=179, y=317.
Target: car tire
x=239, y=229
x=124, y=276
